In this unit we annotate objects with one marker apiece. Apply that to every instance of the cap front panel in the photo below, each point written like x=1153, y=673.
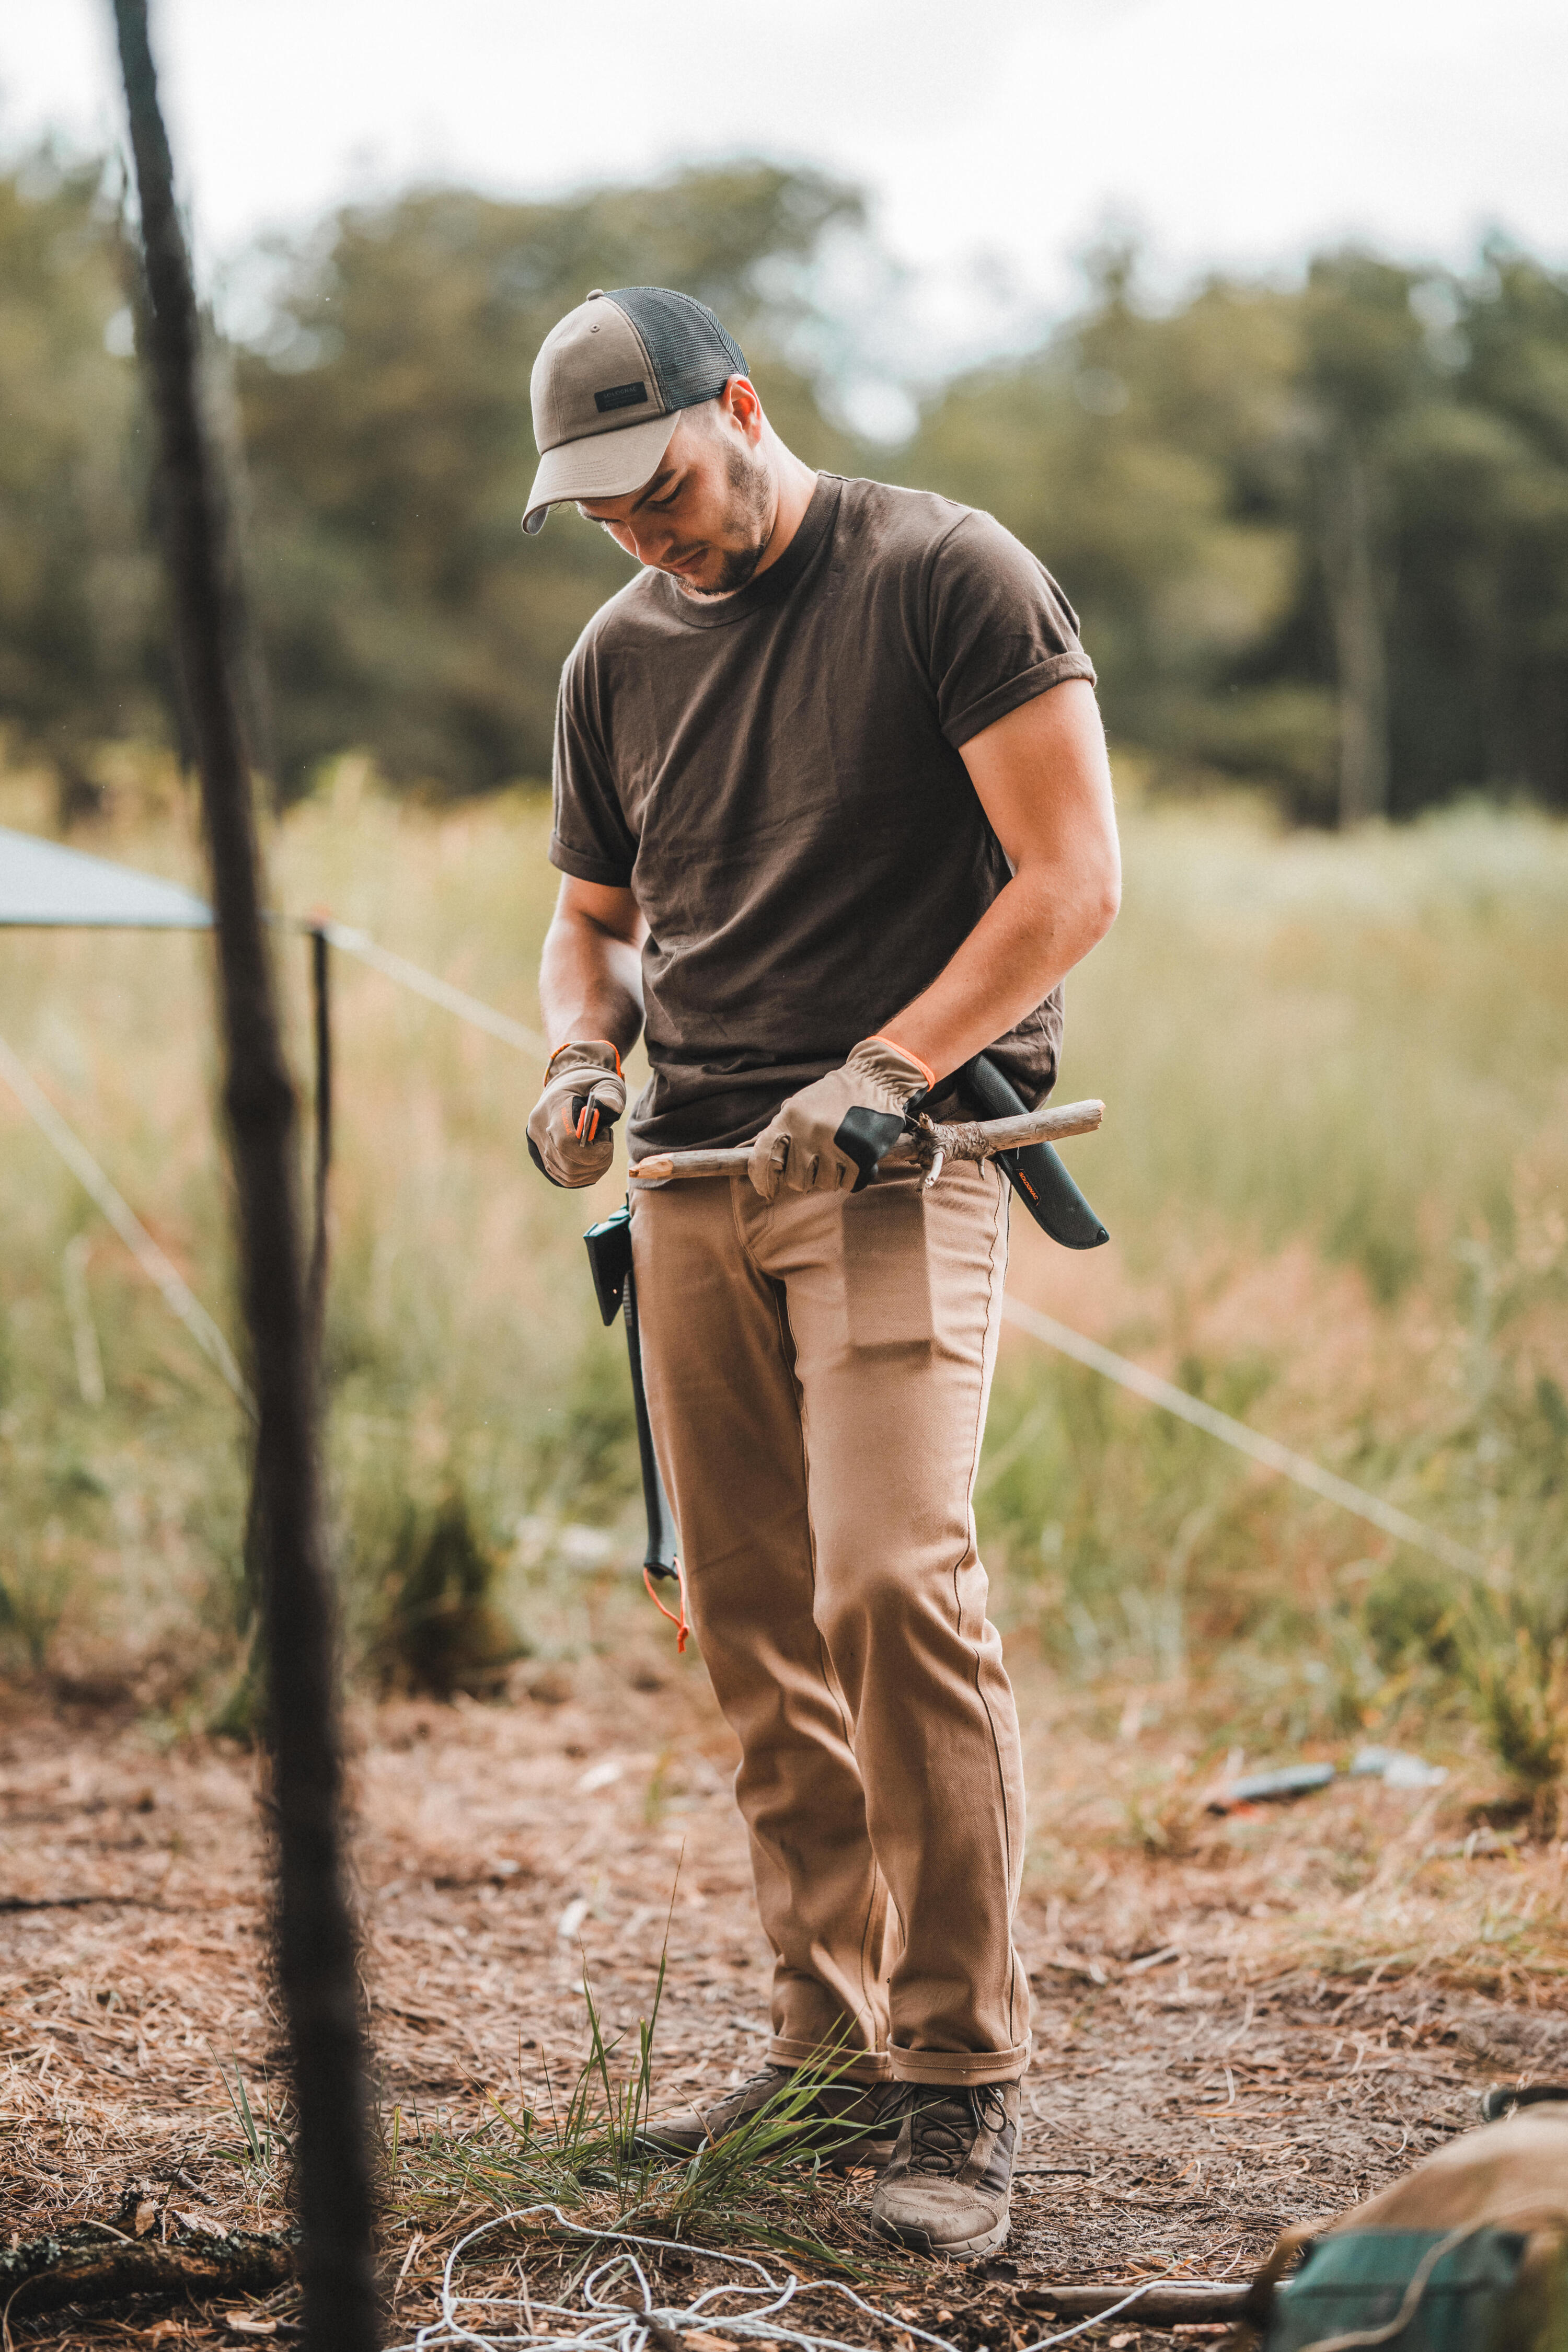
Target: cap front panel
x=592, y=375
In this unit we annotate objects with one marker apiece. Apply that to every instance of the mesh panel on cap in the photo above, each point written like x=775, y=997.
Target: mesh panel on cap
x=692, y=356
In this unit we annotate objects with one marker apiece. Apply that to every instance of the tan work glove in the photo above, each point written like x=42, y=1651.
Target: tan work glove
x=569, y=1127
x=830, y=1135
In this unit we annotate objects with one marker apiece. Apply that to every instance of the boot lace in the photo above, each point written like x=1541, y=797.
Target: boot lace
x=943, y=2130
x=734, y=2102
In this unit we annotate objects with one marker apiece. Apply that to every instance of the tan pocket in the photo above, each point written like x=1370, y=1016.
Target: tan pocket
x=887, y=1273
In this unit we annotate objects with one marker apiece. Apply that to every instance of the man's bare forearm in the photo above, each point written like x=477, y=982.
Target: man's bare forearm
x=589, y=975
x=1044, y=781
x=1027, y=940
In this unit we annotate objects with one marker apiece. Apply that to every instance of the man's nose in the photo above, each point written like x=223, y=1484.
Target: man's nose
x=649, y=541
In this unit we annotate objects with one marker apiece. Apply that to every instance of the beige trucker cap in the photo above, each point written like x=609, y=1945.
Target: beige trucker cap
x=608, y=386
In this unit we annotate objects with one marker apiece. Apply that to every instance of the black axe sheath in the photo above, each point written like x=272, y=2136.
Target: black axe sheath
x=1037, y=1174
x=609, y=1246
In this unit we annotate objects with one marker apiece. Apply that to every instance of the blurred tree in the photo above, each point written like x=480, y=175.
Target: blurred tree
x=1319, y=536
x=1365, y=374
x=1483, y=525
x=1437, y=512
x=1149, y=461
x=79, y=639
x=387, y=417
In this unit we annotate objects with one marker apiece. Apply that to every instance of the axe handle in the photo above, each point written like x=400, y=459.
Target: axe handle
x=957, y=1140
x=663, y=1541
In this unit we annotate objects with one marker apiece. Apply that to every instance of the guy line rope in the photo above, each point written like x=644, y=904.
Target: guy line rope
x=1268, y=1451
x=178, y=1296
x=604, y=2324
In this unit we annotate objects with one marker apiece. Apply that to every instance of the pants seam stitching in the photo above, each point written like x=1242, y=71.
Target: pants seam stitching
x=991, y=1309
x=867, y=2020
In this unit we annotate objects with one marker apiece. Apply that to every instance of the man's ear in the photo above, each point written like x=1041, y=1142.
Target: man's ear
x=740, y=406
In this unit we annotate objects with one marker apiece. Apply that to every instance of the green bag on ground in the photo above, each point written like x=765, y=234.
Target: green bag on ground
x=1468, y=2253
x=1459, y=2303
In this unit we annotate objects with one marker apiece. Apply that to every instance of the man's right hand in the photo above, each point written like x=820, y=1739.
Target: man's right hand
x=829, y=1137
x=569, y=1128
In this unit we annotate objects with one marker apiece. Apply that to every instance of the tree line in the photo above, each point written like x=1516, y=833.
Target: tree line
x=1317, y=532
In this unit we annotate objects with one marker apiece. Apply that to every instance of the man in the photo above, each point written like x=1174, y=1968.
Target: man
x=834, y=814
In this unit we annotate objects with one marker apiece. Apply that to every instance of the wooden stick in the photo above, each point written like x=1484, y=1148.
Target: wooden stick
x=664, y=1165
x=967, y=1138
x=316, y=1943
x=1161, y=2305
x=957, y=1140
x=89, y=2265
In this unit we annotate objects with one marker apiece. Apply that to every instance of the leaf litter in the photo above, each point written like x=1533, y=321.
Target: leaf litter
x=1232, y=2034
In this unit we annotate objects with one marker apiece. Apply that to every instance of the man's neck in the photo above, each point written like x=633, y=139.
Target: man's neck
x=795, y=483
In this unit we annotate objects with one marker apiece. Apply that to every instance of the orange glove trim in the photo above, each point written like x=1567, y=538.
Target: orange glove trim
x=882, y=1038
x=567, y=1041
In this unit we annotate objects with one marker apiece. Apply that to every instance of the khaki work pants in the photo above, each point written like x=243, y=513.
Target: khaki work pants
x=817, y=1372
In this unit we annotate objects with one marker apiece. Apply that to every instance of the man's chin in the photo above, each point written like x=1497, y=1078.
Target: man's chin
x=734, y=569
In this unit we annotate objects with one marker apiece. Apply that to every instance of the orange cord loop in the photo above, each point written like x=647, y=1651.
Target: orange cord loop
x=680, y=1624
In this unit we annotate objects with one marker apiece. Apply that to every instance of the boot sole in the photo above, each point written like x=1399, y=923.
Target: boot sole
x=967, y=2250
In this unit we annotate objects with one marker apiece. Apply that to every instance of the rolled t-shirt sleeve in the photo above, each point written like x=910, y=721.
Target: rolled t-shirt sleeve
x=590, y=837
x=999, y=630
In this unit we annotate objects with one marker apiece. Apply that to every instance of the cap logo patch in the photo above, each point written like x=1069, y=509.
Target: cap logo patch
x=620, y=395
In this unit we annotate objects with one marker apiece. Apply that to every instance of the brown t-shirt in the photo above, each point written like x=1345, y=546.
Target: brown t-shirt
x=776, y=777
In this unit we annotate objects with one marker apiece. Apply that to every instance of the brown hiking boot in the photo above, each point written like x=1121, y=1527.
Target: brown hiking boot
x=946, y=2187
x=841, y=2123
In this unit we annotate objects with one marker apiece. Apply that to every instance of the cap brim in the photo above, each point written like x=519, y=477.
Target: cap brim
x=601, y=465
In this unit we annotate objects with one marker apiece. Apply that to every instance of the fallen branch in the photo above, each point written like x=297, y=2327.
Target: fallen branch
x=1163, y=2305
x=9, y=1903
x=90, y=2264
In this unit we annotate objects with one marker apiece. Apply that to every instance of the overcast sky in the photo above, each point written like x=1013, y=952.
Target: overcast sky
x=997, y=137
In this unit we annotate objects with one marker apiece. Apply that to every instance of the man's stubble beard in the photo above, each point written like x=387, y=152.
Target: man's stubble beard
x=749, y=508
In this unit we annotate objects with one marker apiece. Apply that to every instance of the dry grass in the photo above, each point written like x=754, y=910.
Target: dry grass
x=1239, y=2021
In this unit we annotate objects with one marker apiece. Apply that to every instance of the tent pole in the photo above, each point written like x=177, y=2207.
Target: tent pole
x=321, y=1013
x=312, y=1921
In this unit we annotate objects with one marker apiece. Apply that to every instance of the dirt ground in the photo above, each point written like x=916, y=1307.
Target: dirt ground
x=1219, y=2049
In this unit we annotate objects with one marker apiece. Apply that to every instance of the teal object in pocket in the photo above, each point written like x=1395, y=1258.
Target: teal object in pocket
x=1359, y=2281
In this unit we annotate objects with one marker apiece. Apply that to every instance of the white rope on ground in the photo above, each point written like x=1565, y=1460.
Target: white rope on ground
x=178, y=1296
x=1148, y=1385
x=1267, y=1450
x=425, y=983
x=604, y=2326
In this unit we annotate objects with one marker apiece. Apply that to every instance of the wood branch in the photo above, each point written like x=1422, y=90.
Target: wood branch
x=1162, y=2304
x=316, y=1942
x=77, y=1902
x=954, y=1138
x=93, y=2265
x=971, y=1138
x=665, y=1165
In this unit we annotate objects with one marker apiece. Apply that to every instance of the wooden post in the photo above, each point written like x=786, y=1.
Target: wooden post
x=322, y=1023
x=313, y=1922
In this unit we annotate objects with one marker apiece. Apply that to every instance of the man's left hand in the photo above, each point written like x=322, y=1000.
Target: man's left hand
x=829, y=1137
x=569, y=1127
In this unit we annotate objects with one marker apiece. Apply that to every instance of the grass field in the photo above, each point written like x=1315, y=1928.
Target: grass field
x=1333, y=1166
